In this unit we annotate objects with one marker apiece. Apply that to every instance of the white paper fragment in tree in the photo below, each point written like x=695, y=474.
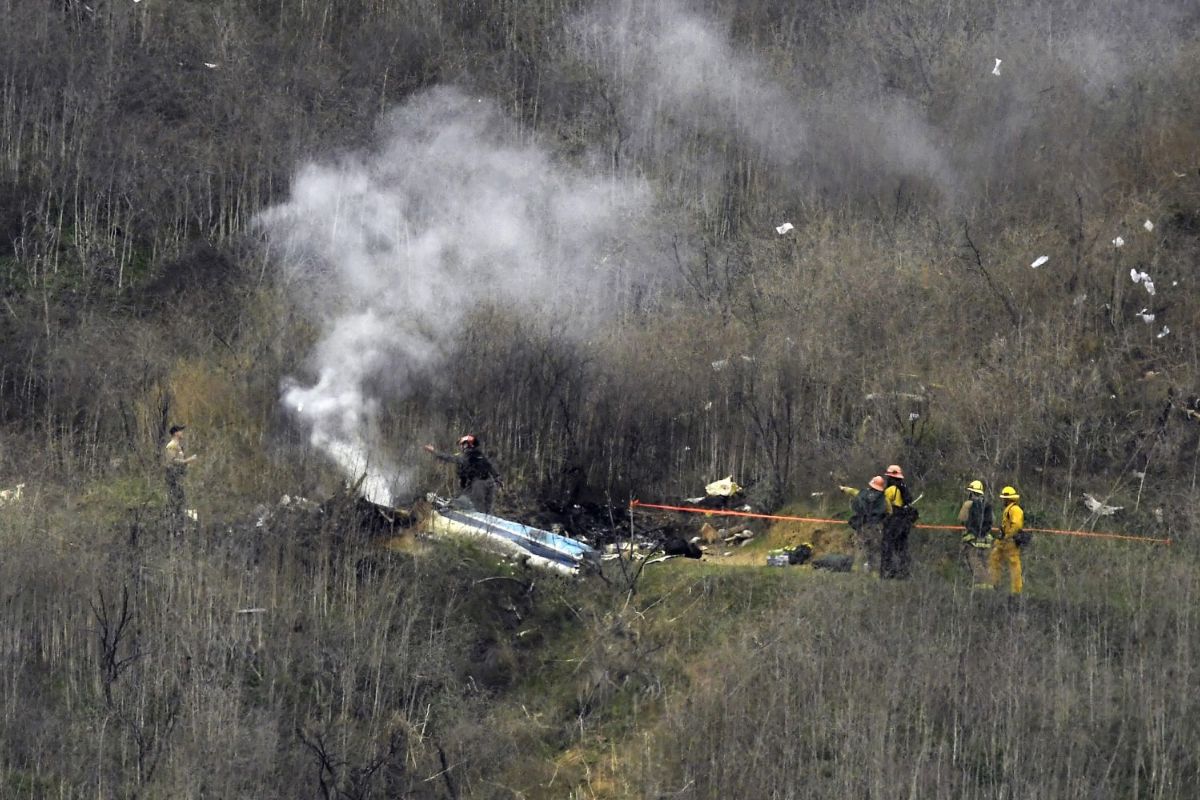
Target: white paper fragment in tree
x=1040, y=260
x=1158, y=515
x=1096, y=507
x=996, y=69
x=1141, y=476
x=1118, y=242
x=210, y=65
x=784, y=228
x=914, y=416
x=708, y=406
x=1079, y=300
x=1162, y=333
x=747, y=358
x=1174, y=283
x=720, y=365
x=1179, y=174
x=1144, y=279
x=1148, y=225
x=1146, y=316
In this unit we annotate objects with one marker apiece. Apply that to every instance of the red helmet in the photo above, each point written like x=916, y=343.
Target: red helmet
x=894, y=471
x=467, y=440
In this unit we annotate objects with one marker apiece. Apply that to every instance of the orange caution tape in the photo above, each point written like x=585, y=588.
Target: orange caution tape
x=709, y=511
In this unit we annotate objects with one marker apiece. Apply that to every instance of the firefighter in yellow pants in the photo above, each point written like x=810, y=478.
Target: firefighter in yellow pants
x=1008, y=544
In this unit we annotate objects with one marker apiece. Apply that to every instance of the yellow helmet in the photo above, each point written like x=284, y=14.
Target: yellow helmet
x=1009, y=493
x=975, y=487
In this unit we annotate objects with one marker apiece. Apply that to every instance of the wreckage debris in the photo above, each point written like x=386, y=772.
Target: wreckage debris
x=1098, y=508
x=9, y=497
x=1039, y=261
x=784, y=228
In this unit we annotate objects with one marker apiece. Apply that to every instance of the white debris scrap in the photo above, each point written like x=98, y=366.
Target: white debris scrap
x=1165, y=331
x=784, y=228
x=1144, y=279
x=1098, y=508
x=210, y=65
x=1040, y=260
x=914, y=416
x=11, y=496
x=1148, y=225
x=1146, y=316
x=720, y=365
x=1118, y=242
x=1141, y=476
x=996, y=69
x=1079, y=300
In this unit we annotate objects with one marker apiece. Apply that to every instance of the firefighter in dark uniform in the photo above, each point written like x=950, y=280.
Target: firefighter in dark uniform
x=477, y=478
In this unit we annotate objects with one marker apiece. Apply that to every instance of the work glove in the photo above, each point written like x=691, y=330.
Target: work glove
x=1023, y=539
x=968, y=538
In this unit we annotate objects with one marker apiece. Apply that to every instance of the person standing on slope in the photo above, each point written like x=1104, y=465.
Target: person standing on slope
x=869, y=511
x=477, y=478
x=176, y=460
x=976, y=517
x=894, y=560
x=1008, y=544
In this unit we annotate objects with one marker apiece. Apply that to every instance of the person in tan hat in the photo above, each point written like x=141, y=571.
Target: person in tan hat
x=894, y=560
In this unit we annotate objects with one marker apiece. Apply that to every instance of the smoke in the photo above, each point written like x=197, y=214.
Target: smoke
x=872, y=95
x=390, y=250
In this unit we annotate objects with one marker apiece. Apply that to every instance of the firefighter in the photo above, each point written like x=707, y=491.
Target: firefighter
x=477, y=478
x=869, y=510
x=175, y=461
x=976, y=517
x=1008, y=544
x=894, y=560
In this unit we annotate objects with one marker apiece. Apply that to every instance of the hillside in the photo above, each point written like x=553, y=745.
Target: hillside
x=634, y=248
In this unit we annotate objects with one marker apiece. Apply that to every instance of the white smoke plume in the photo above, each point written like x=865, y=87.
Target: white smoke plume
x=390, y=250
x=676, y=71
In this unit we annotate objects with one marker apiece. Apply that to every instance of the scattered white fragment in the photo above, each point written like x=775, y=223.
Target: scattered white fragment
x=1040, y=260
x=914, y=416
x=1148, y=225
x=1146, y=316
x=1079, y=300
x=1179, y=174
x=250, y=611
x=720, y=365
x=996, y=69
x=1158, y=515
x=1174, y=283
x=708, y=406
x=1118, y=242
x=210, y=65
x=816, y=494
x=1144, y=279
x=1098, y=508
x=747, y=358
x=1141, y=476
x=1162, y=333
x=784, y=228
x=192, y=515
x=10, y=496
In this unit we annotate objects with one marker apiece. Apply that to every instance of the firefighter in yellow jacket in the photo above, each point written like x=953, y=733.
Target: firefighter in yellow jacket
x=1008, y=544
